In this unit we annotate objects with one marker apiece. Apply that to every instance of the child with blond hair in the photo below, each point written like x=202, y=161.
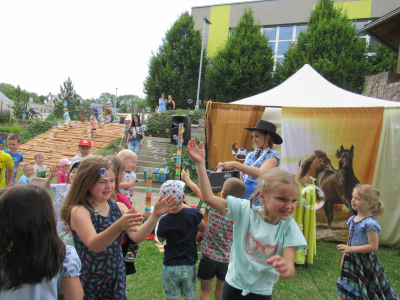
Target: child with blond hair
x=40, y=169
x=129, y=180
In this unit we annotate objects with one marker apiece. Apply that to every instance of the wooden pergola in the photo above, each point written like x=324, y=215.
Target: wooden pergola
x=386, y=30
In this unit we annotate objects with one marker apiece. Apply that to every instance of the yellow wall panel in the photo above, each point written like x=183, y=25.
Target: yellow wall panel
x=360, y=9
x=218, y=31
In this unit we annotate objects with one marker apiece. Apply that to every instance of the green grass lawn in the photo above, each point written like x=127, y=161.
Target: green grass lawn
x=147, y=282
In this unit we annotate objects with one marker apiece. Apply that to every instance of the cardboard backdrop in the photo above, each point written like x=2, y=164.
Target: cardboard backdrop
x=225, y=126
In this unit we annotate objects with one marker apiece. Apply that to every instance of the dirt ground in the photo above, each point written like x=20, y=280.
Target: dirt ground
x=338, y=231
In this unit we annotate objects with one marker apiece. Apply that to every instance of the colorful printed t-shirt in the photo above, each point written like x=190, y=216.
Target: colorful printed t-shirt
x=16, y=158
x=255, y=241
x=217, y=241
x=40, y=173
x=5, y=162
x=127, y=176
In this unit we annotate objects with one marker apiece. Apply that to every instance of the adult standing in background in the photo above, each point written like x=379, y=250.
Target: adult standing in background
x=135, y=135
x=170, y=103
x=257, y=162
x=162, y=102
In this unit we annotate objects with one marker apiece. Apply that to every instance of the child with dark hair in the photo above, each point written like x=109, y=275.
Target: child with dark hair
x=35, y=263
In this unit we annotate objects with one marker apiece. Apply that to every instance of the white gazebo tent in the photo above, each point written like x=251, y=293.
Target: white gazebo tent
x=308, y=89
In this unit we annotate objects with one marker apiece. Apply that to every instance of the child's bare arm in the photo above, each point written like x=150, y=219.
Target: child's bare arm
x=284, y=265
x=202, y=226
x=16, y=173
x=186, y=176
x=198, y=154
x=10, y=175
x=128, y=184
x=161, y=207
x=71, y=288
x=81, y=222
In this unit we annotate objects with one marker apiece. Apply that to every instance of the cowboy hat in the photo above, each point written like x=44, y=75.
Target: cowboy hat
x=267, y=127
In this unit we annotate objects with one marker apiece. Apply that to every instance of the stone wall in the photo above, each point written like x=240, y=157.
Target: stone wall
x=384, y=86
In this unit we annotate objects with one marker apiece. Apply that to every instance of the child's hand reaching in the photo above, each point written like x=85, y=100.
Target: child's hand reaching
x=280, y=266
x=185, y=174
x=163, y=205
x=54, y=170
x=130, y=220
x=344, y=248
x=198, y=154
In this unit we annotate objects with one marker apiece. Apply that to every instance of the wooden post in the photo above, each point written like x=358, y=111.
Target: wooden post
x=115, y=148
x=142, y=116
x=83, y=114
x=135, y=109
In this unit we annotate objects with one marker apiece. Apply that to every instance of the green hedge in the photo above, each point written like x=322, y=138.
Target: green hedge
x=16, y=129
x=34, y=129
x=159, y=123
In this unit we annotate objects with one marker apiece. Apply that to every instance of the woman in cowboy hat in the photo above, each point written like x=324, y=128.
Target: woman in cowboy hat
x=257, y=162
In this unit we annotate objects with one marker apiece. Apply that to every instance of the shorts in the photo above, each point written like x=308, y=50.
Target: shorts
x=93, y=129
x=175, y=278
x=231, y=293
x=209, y=268
x=67, y=121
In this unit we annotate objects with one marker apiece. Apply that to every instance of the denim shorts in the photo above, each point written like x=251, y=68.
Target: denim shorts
x=175, y=278
x=209, y=268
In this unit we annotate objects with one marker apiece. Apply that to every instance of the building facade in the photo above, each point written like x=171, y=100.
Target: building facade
x=280, y=20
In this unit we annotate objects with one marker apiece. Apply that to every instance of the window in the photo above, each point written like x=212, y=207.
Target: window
x=281, y=37
x=8, y=106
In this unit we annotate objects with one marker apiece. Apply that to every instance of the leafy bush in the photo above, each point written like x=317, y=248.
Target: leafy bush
x=187, y=163
x=34, y=129
x=5, y=128
x=16, y=129
x=158, y=123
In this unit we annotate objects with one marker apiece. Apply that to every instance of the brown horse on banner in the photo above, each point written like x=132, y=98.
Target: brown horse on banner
x=314, y=165
x=338, y=185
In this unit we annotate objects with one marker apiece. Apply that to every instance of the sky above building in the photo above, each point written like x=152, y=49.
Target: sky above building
x=100, y=45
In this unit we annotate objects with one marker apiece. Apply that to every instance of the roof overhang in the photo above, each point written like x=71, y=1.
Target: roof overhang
x=386, y=30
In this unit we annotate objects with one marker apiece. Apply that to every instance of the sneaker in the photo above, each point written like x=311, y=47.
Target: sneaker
x=66, y=130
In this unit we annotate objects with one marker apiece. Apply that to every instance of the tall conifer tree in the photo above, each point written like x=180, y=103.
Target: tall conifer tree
x=243, y=67
x=174, y=69
x=331, y=46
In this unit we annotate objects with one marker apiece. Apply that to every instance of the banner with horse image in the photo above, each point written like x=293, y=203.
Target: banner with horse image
x=338, y=147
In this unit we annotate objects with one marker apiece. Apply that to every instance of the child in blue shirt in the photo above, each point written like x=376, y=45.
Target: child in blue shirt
x=265, y=238
x=14, y=142
x=28, y=172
